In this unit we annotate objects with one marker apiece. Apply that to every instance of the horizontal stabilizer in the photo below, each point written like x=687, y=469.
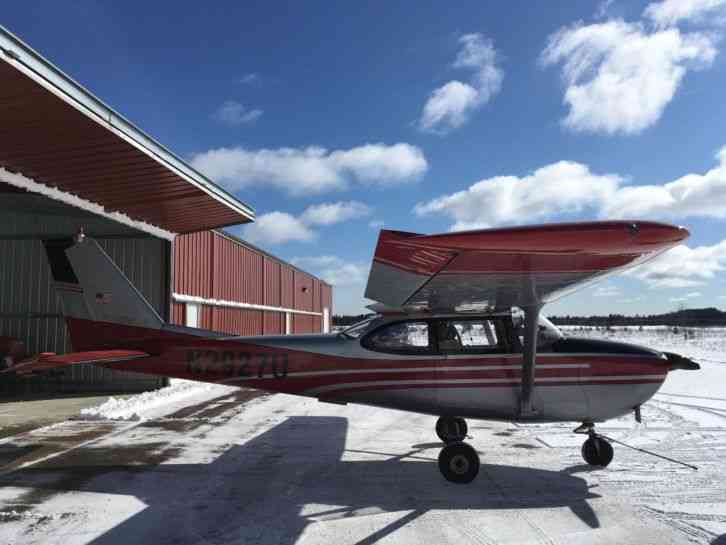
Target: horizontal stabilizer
x=47, y=361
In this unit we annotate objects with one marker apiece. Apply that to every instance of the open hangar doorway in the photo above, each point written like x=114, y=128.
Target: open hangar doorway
x=30, y=311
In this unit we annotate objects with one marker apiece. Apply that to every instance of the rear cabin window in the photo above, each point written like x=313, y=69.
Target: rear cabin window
x=400, y=337
x=468, y=336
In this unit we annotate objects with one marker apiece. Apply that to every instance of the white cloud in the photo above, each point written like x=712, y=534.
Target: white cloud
x=567, y=187
x=250, y=78
x=277, y=228
x=280, y=227
x=619, y=76
x=563, y=187
x=234, y=113
x=683, y=267
x=452, y=104
x=376, y=224
x=607, y=290
x=311, y=170
x=672, y=12
x=690, y=195
x=686, y=297
x=334, y=212
x=335, y=270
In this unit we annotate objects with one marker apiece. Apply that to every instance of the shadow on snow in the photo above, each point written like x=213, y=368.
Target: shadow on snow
x=269, y=489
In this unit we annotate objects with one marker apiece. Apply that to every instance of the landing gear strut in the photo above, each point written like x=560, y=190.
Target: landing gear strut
x=451, y=429
x=596, y=450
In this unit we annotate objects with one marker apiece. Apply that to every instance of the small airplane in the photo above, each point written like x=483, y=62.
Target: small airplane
x=457, y=333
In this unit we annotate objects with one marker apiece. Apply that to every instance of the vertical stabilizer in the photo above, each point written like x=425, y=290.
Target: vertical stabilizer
x=92, y=287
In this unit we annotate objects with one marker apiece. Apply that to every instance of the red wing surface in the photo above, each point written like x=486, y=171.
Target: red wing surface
x=500, y=268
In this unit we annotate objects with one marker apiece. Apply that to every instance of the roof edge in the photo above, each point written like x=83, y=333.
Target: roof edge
x=19, y=54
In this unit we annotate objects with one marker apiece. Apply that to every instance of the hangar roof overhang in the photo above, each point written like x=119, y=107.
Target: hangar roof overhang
x=58, y=139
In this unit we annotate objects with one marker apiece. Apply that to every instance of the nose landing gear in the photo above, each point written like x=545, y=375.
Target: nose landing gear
x=596, y=450
x=451, y=429
x=458, y=462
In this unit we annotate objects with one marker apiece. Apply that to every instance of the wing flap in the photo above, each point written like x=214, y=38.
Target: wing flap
x=48, y=361
x=499, y=268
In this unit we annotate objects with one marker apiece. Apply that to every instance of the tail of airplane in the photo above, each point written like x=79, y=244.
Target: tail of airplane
x=101, y=306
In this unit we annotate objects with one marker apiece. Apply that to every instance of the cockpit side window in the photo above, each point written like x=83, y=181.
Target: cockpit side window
x=410, y=337
x=469, y=335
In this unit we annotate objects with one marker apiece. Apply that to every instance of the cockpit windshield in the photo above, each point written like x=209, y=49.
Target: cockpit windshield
x=358, y=328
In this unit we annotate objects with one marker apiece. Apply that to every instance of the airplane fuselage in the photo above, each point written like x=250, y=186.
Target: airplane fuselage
x=576, y=379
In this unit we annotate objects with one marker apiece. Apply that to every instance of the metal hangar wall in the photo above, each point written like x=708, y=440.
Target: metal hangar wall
x=68, y=161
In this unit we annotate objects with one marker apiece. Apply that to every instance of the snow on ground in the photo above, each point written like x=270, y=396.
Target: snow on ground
x=217, y=467
x=149, y=404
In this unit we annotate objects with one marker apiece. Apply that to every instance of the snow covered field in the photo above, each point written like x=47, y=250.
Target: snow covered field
x=209, y=464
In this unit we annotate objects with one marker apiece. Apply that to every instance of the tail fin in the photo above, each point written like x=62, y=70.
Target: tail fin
x=93, y=288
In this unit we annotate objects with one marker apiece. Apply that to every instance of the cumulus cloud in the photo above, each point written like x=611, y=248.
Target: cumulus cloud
x=672, y=12
x=234, y=113
x=277, y=228
x=335, y=270
x=559, y=188
x=683, y=267
x=334, y=212
x=280, y=227
x=452, y=104
x=568, y=187
x=691, y=195
x=312, y=170
x=620, y=76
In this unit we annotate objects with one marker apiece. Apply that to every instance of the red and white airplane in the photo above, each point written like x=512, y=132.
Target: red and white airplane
x=457, y=333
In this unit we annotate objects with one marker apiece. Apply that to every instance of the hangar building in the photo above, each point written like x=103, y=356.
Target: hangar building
x=68, y=161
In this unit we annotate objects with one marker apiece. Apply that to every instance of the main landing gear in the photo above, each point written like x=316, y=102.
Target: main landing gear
x=596, y=450
x=458, y=462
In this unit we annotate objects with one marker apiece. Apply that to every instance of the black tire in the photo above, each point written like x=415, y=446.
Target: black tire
x=459, y=463
x=451, y=429
x=597, y=452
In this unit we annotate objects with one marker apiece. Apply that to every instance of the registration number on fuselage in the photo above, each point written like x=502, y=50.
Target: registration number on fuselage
x=237, y=364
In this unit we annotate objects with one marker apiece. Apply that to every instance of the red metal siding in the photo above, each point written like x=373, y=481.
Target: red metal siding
x=272, y=282
x=178, y=313
x=303, y=296
x=238, y=272
x=212, y=266
x=193, y=261
x=274, y=323
x=287, y=296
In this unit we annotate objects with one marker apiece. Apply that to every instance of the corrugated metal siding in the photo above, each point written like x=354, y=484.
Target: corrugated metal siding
x=274, y=323
x=193, y=261
x=272, y=283
x=213, y=266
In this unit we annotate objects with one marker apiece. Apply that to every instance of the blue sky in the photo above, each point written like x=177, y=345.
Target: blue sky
x=332, y=118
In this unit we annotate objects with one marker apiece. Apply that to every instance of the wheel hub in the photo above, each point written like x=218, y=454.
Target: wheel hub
x=459, y=464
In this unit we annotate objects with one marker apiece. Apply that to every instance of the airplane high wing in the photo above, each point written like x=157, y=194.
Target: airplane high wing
x=494, y=269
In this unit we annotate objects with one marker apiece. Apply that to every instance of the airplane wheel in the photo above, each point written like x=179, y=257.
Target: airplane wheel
x=597, y=452
x=459, y=463
x=451, y=429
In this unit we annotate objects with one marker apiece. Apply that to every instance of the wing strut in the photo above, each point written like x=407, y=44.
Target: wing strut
x=531, y=323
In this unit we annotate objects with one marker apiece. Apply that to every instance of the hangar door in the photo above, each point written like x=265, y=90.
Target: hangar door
x=30, y=311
